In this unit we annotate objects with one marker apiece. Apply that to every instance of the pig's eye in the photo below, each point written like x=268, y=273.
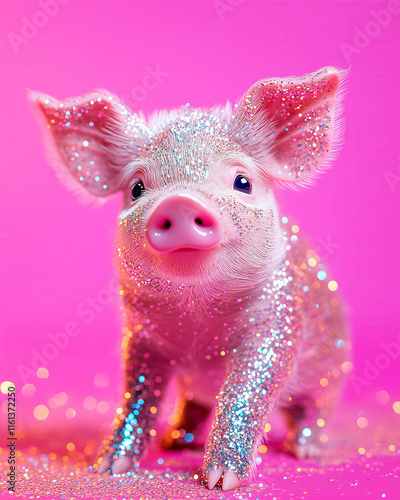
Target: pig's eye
x=242, y=184
x=137, y=190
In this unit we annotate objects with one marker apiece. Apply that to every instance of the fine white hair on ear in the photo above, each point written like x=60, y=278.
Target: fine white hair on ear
x=292, y=126
x=89, y=139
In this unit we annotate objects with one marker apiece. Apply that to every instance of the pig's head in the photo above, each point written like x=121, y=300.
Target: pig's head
x=199, y=221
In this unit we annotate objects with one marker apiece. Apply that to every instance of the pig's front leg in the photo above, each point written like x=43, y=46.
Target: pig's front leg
x=248, y=394
x=128, y=439
x=258, y=367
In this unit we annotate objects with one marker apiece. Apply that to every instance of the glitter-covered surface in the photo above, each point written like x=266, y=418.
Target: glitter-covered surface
x=371, y=472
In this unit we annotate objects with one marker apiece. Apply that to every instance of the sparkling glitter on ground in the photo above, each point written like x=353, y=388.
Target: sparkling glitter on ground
x=345, y=473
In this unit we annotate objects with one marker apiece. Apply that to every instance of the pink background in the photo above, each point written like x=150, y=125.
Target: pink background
x=56, y=253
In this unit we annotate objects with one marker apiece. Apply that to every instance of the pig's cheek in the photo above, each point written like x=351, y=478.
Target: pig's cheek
x=131, y=230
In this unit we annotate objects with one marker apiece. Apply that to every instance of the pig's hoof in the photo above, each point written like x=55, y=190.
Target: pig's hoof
x=105, y=464
x=230, y=480
x=309, y=450
x=213, y=478
x=118, y=466
x=121, y=465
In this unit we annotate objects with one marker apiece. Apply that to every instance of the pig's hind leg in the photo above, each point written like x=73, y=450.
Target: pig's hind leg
x=191, y=426
x=304, y=434
x=310, y=395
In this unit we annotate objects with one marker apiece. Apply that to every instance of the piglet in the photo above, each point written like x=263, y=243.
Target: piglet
x=219, y=289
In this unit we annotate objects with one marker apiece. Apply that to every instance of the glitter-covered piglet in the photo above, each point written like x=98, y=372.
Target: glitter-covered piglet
x=219, y=289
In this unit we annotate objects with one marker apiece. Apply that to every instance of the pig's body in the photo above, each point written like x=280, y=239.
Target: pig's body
x=194, y=345
x=218, y=288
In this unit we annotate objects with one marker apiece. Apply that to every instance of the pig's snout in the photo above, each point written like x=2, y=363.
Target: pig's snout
x=181, y=221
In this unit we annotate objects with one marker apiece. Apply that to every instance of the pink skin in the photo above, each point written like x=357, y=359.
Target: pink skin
x=199, y=257
x=182, y=222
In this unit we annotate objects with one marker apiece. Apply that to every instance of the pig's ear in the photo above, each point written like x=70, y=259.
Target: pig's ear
x=90, y=139
x=291, y=126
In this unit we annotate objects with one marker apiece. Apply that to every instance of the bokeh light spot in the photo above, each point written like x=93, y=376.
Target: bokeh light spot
x=5, y=386
x=173, y=419
x=61, y=399
x=103, y=407
x=324, y=382
x=90, y=403
x=42, y=372
x=41, y=412
x=382, y=397
x=101, y=380
x=70, y=413
x=333, y=286
x=362, y=422
x=347, y=367
x=188, y=395
x=28, y=390
x=189, y=437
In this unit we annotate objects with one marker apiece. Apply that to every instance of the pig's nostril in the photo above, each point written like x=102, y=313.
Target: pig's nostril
x=167, y=224
x=204, y=221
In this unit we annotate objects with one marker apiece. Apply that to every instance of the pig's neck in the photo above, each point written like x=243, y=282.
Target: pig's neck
x=180, y=331
x=163, y=311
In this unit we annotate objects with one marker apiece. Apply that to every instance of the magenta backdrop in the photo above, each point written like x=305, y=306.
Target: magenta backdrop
x=56, y=253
